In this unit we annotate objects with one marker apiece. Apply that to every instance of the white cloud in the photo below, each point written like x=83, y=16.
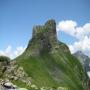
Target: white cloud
x=82, y=33
x=7, y=51
x=82, y=45
x=67, y=26
x=12, y=53
x=19, y=50
x=70, y=27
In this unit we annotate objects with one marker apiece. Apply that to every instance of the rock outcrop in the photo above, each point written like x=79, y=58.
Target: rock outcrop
x=16, y=72
x=44, y=38
x=49, y=28
x=7, y=85
x=12, y=71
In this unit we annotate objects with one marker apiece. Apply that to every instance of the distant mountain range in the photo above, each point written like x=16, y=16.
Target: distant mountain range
x=85, y=61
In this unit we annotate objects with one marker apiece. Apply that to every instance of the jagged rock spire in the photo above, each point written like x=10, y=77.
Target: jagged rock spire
x=50, y=25
x=44, y=37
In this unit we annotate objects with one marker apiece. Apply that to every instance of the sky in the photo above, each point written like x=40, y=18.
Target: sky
x=17, y=18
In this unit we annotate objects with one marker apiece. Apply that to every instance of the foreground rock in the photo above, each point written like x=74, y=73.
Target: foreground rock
x=10, y=70
x=7, y=85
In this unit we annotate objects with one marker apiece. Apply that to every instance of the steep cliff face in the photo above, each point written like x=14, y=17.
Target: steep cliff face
x=49, y=62
x=50, y=27
x=43, y=38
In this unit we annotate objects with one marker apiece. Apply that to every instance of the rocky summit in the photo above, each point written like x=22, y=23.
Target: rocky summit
x=47, y=63
x=44, y=38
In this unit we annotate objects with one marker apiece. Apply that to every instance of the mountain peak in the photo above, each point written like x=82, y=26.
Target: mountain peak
x=51, y=23
x=79, y=52
x=44, y=37
x=49, y=26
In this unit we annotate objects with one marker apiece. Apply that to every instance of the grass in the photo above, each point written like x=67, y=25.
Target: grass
x=54, y=70
x=22, y=85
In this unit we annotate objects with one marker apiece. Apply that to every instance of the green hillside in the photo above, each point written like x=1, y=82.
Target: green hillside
x=49, y=62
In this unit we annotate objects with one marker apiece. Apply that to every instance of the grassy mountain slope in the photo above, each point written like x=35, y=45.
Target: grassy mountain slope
x=49, y=62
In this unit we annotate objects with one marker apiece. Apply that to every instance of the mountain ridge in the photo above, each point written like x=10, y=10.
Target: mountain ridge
x=52, y=58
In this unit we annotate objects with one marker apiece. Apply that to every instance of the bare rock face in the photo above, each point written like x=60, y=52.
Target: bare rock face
x=13, y=71
x=50, y=25
x=44, y=37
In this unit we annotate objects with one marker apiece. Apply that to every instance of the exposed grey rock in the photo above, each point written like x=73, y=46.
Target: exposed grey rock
x=15, y=72
x=85, y=61
x=44, y=38
x=7, y=85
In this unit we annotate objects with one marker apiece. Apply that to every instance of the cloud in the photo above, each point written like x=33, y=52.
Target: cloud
x=7, y=51
x=82, y=45
x=70, y=27
x=81, y=33
x=19, y=50
x=12, y=53
x=67, y=26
